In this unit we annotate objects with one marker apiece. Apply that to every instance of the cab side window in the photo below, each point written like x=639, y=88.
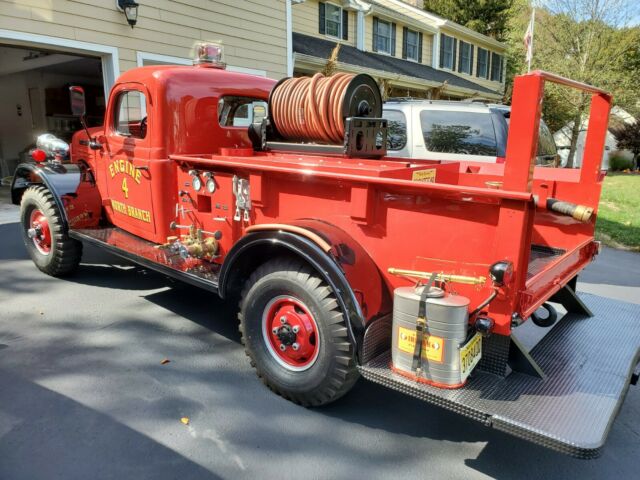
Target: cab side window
x=131, y=116
x=240, y=111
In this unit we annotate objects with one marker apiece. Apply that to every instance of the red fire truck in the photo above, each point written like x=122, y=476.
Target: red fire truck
x=411, y=273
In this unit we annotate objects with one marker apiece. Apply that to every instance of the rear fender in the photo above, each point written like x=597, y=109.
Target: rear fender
x=73, y=188
x=342, y=262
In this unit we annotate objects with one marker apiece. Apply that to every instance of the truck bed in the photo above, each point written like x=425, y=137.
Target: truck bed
x=573, y=408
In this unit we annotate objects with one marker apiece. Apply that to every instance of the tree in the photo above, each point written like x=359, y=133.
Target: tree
x=629, y=139
x=585, y=40
x=489, y=17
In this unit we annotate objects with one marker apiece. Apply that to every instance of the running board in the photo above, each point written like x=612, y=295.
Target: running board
x=148, y=255
x=589, y=364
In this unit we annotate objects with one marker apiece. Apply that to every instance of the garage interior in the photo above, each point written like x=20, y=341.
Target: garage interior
x=35, y=90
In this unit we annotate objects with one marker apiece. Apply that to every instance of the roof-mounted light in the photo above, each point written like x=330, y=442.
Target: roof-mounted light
x=208, y=54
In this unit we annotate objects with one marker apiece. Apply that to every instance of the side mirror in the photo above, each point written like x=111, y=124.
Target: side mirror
x=78, y=103
x=79, y=109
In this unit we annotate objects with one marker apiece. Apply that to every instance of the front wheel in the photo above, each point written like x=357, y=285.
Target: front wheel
x=295, y=334
x=43, y=233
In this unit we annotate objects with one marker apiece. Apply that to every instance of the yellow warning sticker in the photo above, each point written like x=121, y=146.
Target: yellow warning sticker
x=427, y=176
x=432, y=347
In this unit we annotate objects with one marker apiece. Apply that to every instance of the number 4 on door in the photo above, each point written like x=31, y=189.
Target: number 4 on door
x=125, y=188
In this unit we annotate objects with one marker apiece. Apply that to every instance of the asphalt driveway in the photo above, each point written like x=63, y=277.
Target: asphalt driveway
x=83, y=393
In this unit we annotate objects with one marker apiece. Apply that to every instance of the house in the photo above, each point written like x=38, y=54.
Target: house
x=47, y=44
x=617, y=118
x=409, y=51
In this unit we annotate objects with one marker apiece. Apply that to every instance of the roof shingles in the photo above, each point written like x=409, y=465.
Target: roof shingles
x=317, y=47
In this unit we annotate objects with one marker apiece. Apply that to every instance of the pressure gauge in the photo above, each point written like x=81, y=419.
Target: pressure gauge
x=211, y=185
x=196, y=183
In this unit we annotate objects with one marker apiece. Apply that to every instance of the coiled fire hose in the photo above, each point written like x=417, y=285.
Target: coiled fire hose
x=313, y=109
x=310, y=108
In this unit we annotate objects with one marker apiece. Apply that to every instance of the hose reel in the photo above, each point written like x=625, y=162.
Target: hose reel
x=336, y=114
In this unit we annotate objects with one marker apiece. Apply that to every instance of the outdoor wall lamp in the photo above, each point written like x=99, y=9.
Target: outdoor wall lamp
x=130, y=9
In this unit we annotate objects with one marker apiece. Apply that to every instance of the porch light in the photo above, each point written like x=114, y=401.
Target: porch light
x=130, y=9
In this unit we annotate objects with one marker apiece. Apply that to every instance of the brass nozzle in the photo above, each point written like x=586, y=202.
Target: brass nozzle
x=441, y=277
x=582, y=213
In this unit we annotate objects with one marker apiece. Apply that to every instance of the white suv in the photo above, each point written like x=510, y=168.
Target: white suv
x=455, y=131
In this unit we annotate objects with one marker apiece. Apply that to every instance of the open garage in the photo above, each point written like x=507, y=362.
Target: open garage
x=35, y=88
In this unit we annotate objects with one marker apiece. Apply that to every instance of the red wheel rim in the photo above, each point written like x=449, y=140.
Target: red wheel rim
x=40, y=232
x=291, y=333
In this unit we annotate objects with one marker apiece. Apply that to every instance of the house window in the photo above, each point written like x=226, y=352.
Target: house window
x=131, y=120
x=482, y=69
x=411, y=45
x=465, y=61
x=383, y=38
x=333, y=20
x=496, y=67
x=447, y=52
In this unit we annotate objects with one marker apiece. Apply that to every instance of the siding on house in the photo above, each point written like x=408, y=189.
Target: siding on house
x=253, y=32
x=427, y=38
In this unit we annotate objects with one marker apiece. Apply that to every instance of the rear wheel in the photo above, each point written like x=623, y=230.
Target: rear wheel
x=43, y=233
x=295, y=334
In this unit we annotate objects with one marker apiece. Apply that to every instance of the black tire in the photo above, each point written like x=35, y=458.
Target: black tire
x=333, y=372
x=65, y=253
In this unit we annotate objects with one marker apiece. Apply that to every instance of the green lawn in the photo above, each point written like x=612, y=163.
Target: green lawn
x=618, y=222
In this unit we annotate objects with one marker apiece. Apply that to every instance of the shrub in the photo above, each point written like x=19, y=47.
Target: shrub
x=617, y=164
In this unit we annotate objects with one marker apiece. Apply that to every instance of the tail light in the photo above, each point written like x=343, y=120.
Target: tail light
x=38, y=155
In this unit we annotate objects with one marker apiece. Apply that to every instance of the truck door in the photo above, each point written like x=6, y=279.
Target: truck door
x=128, y=172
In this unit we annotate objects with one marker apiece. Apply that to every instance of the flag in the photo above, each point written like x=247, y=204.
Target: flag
x=528, y=37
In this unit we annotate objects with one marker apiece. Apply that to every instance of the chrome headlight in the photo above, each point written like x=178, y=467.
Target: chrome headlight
x=52, y=145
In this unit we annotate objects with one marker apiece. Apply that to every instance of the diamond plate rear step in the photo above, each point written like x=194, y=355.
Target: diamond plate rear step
x=589, y=363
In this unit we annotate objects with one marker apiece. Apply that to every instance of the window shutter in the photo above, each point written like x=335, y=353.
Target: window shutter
x=460, y=56
x=471, y=60
x=442, y=37
x=420, y=47
x=393, y=39
x=404, y=42
x=321, y=26
x=453, y=59
x=375, y=33
x=345, y=25
x=478, y=66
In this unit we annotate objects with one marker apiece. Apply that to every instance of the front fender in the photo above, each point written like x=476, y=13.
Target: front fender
x=73, y=188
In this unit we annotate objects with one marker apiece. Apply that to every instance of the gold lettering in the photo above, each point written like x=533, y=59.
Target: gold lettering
x=122, y=165
x=111, y=170
x=131, y=211
x=138, y=175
